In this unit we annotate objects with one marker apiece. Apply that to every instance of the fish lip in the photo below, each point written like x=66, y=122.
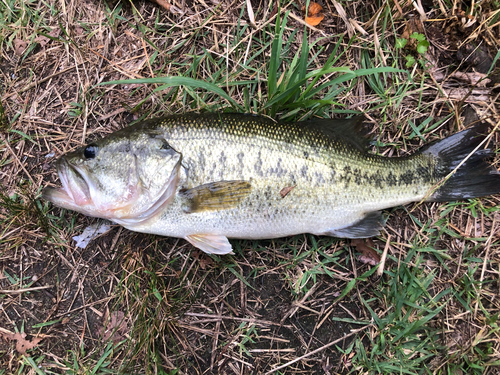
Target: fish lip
x=62, y=170
x=51, y=194
x=75, y=190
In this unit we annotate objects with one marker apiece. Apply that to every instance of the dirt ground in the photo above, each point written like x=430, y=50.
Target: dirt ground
x=146, y=304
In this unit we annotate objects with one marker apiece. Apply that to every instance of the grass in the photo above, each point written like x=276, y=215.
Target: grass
x=290, y=85
x=135, y=303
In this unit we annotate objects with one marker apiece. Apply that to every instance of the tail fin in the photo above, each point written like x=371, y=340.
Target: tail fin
x=475, y=177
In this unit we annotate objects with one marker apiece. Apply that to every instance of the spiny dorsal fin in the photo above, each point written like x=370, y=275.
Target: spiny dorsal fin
x=350, y=130
x=220, y=195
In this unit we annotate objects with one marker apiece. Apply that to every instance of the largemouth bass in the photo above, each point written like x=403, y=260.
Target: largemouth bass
x=210, y=177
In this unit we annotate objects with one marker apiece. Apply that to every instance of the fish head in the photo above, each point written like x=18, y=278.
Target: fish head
x=127, y=175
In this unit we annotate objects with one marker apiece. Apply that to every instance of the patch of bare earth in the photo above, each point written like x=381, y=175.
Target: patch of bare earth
x=168, y=303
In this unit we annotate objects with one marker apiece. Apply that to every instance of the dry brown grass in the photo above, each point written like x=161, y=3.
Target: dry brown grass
x=276, y=302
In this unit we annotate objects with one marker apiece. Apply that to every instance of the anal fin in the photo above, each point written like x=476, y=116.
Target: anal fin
x=369, y=226
x=210, y=243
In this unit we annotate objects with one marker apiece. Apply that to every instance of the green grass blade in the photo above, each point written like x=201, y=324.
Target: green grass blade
x=176, y=82
x=275, y=60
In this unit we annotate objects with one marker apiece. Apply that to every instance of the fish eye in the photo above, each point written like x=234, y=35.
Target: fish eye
x=90, y=151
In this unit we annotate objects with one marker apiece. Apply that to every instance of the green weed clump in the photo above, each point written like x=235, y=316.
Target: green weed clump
x=292, y=88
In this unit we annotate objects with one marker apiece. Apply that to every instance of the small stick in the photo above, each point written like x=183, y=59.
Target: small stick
x=117, y=67
x=381, y=266
x=24, y=290
x=34, y=84
x=249, y=320
x=485, y=261
x=15, y=157
x=317, y=350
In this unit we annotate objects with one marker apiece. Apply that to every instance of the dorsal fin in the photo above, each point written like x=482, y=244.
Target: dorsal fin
x=350, y=130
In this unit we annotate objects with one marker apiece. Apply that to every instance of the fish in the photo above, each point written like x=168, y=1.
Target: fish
x=210, y=177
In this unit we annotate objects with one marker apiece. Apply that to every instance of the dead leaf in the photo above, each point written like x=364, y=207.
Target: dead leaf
x=475, y=57
x=314, y=13
x=251, y=15
x=169, y=7
x=326, y=365
x=469, y=96
x=43, y=40
x=164, y=4
x=369, y=256
x=20, y=46
x=203, y=259
x=275, y=10
x=205, y=262
x=79, y=30
x=474, y=78
x=284, y=192
x=314, y=8
x=22, y=345
x=462, y=13
x=116, y=328
x=314, y=21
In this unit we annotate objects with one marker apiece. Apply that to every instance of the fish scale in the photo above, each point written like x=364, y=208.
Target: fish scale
x=210, y=177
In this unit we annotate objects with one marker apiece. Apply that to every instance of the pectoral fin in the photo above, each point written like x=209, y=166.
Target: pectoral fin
x=369, y=226
x=220, y=195
x=210, y=243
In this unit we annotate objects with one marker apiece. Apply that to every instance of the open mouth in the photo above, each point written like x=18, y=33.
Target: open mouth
x=74, y=192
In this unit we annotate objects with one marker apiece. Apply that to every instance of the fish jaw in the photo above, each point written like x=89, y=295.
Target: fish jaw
x=74, y=183
x=78, y=191
x=74, y=193
x=61, y=198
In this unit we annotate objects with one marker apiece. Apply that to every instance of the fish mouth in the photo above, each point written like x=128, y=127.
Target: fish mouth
x=74, y=193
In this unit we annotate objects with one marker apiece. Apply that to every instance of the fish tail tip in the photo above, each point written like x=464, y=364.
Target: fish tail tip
x=472, y=176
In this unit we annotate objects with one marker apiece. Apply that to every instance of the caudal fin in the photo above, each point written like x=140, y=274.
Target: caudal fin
x=475, y=177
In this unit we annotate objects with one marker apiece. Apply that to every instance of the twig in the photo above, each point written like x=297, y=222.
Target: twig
x=117, y=67
x=485, y=262
x=34, y=84
x=24, y=290
x=317, y=350
x=250, y=320
x=15, y=157
x=106, y=299
x=114, y=113
x=147, y=57
x=381, y=266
